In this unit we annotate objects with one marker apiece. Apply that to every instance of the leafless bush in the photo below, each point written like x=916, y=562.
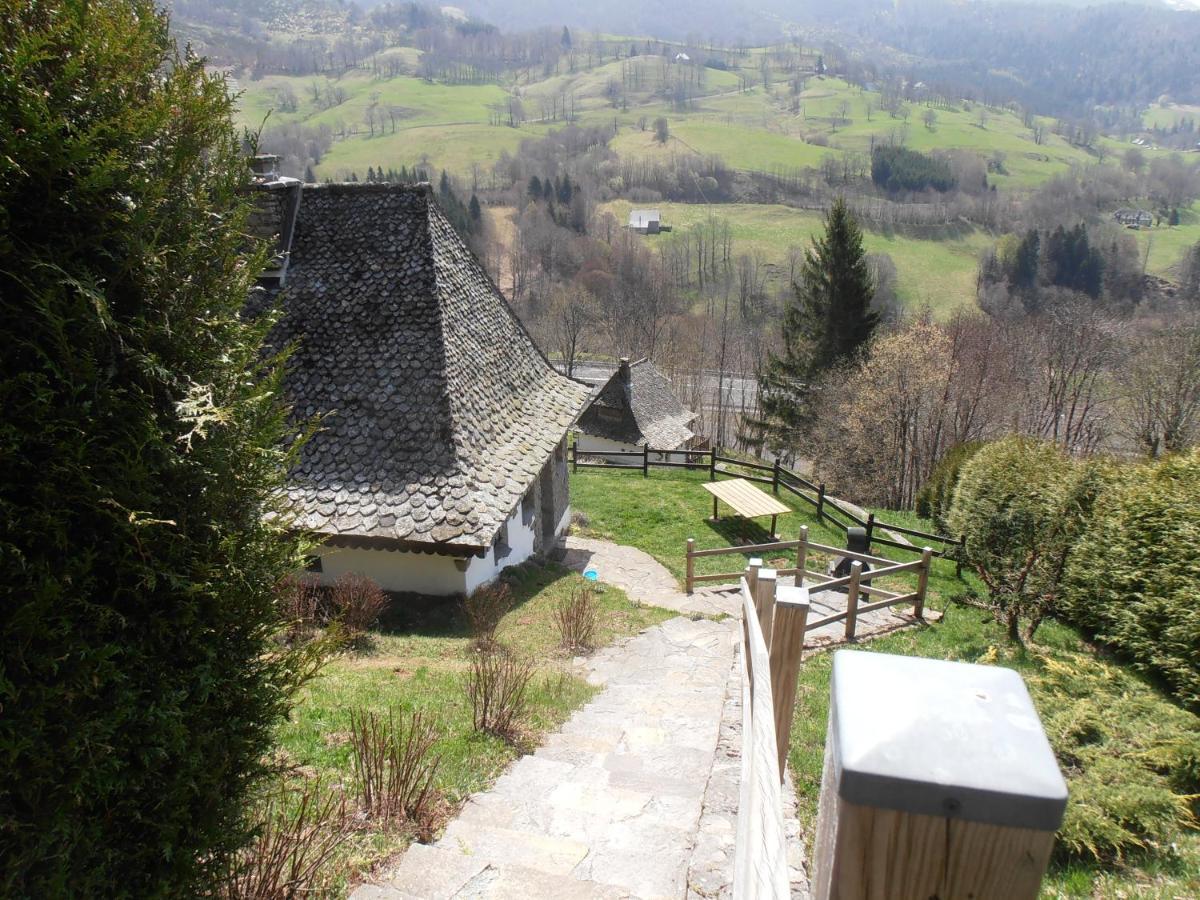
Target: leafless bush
x=484, y=610
x=299, y=831
x=394, y=766
x=577, y=617
x=497, y=685
x=299, y=600
x=357, y=602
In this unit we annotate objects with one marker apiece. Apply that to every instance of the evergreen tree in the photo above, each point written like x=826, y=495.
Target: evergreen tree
x=141, y=536
x=564, y=191
x=565, y=40
x=370, y=174
x=828, y=323
x=476, y=212
x=309, y=176
x=535, y=188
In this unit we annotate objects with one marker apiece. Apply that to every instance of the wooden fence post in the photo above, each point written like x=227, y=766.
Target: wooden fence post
x=979, y=824
x=870, y=529
x=923, y=582
x=691, y=563
x=775, y=478
x=712, y=463
x=821, y=502
x=787, y=648
x=764, y=600
x=574, y=458
x=962, y=547
x=852, y=599
x=802, y=556
x=645, y=460
x=752, y=567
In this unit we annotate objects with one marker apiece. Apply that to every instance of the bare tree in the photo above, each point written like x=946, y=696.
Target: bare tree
x=1161, y=389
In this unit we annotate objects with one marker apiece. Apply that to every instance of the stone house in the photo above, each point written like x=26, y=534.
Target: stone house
x=440, y=456
x=636, y=407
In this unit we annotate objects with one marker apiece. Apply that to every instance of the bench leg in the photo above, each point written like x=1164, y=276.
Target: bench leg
x=773, y=519
x=714, y=518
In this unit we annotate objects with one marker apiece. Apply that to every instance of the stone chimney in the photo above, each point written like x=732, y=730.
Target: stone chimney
x=264, y=166
x=623, y=368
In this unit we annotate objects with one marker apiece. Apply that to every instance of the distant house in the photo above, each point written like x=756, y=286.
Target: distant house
x=636, y=407
x=682, y=58
x=1134, y=218
x=646, y=221
x=440, y=456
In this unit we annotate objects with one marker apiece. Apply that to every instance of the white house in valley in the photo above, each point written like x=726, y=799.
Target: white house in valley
x=441, y=453
x=636, y=407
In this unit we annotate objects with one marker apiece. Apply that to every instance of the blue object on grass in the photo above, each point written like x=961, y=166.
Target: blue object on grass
x=591, y=575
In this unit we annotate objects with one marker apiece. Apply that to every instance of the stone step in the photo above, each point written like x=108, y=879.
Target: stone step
x=432, y=872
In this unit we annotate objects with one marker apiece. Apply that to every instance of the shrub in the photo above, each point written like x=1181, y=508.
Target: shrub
x=485, y=608
x=577, y=617
x=299, y=600
x=1134, y=577
x=1130, y=757
x=357, y=602
x=394, y=767
x=298, y=832
x=142, y=466
x=933, y=500
x=1021, y=505
x=497, y=685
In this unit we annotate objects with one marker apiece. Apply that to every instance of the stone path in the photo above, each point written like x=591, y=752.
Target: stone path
x=636, y=796
x=610, y=806
x=647, y=581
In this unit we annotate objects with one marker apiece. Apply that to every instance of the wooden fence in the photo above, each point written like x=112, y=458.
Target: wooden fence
x=773, y=626
x=857, y=584
x=780, y=478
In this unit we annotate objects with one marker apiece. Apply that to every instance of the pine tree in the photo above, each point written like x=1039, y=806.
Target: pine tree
x=476, y=212
x=535, y=188
x=827, y=324
x=565, y=40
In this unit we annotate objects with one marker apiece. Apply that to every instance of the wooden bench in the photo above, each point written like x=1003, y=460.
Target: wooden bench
x=747, y=500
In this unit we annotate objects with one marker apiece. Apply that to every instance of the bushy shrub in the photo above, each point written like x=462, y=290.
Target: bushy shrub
x=1133, y=581
x=484, y=609
x=1021, y=505
x=356, y=602
x=933, y=500
x=299, y=599
x=141, y=541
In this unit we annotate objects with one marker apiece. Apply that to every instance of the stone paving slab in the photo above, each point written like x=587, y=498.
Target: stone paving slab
x=644, y=578
x=610, y=805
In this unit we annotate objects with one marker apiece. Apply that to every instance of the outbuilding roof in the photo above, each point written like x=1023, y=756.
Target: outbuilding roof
x=436, y=409
x=638, y=405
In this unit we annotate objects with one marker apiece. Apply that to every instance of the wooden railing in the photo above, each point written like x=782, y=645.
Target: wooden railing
x=858, y=583
x=772, y=640
x=829, y=510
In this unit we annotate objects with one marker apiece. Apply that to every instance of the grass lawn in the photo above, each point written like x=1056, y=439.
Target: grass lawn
x=417, y=660
x=1168, y=243
x=1119, y=738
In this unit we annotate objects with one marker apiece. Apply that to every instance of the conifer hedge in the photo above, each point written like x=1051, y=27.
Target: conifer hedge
x=139, y=453
x=1134, y=579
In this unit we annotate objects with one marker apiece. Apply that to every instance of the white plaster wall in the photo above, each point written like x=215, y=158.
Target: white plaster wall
x=520, y=542
x=394, y=570
x=428, y=573
x=592, y=445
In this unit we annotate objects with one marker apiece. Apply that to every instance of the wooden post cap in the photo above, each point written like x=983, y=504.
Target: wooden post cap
x=944, y=739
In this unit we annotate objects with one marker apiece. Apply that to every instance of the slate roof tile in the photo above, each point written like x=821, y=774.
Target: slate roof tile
x=437, y=410
x=638, y=405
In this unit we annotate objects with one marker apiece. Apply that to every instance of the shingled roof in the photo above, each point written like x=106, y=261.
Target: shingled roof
x=638, y=405
x=437, y=409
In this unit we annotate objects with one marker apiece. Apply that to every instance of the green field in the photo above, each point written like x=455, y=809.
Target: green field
x=1167, y=244
x=938, y=273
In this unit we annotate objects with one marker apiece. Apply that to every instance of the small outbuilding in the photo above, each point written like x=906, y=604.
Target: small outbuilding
x=440, y=453
x=646, y=221
x=636, y=407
